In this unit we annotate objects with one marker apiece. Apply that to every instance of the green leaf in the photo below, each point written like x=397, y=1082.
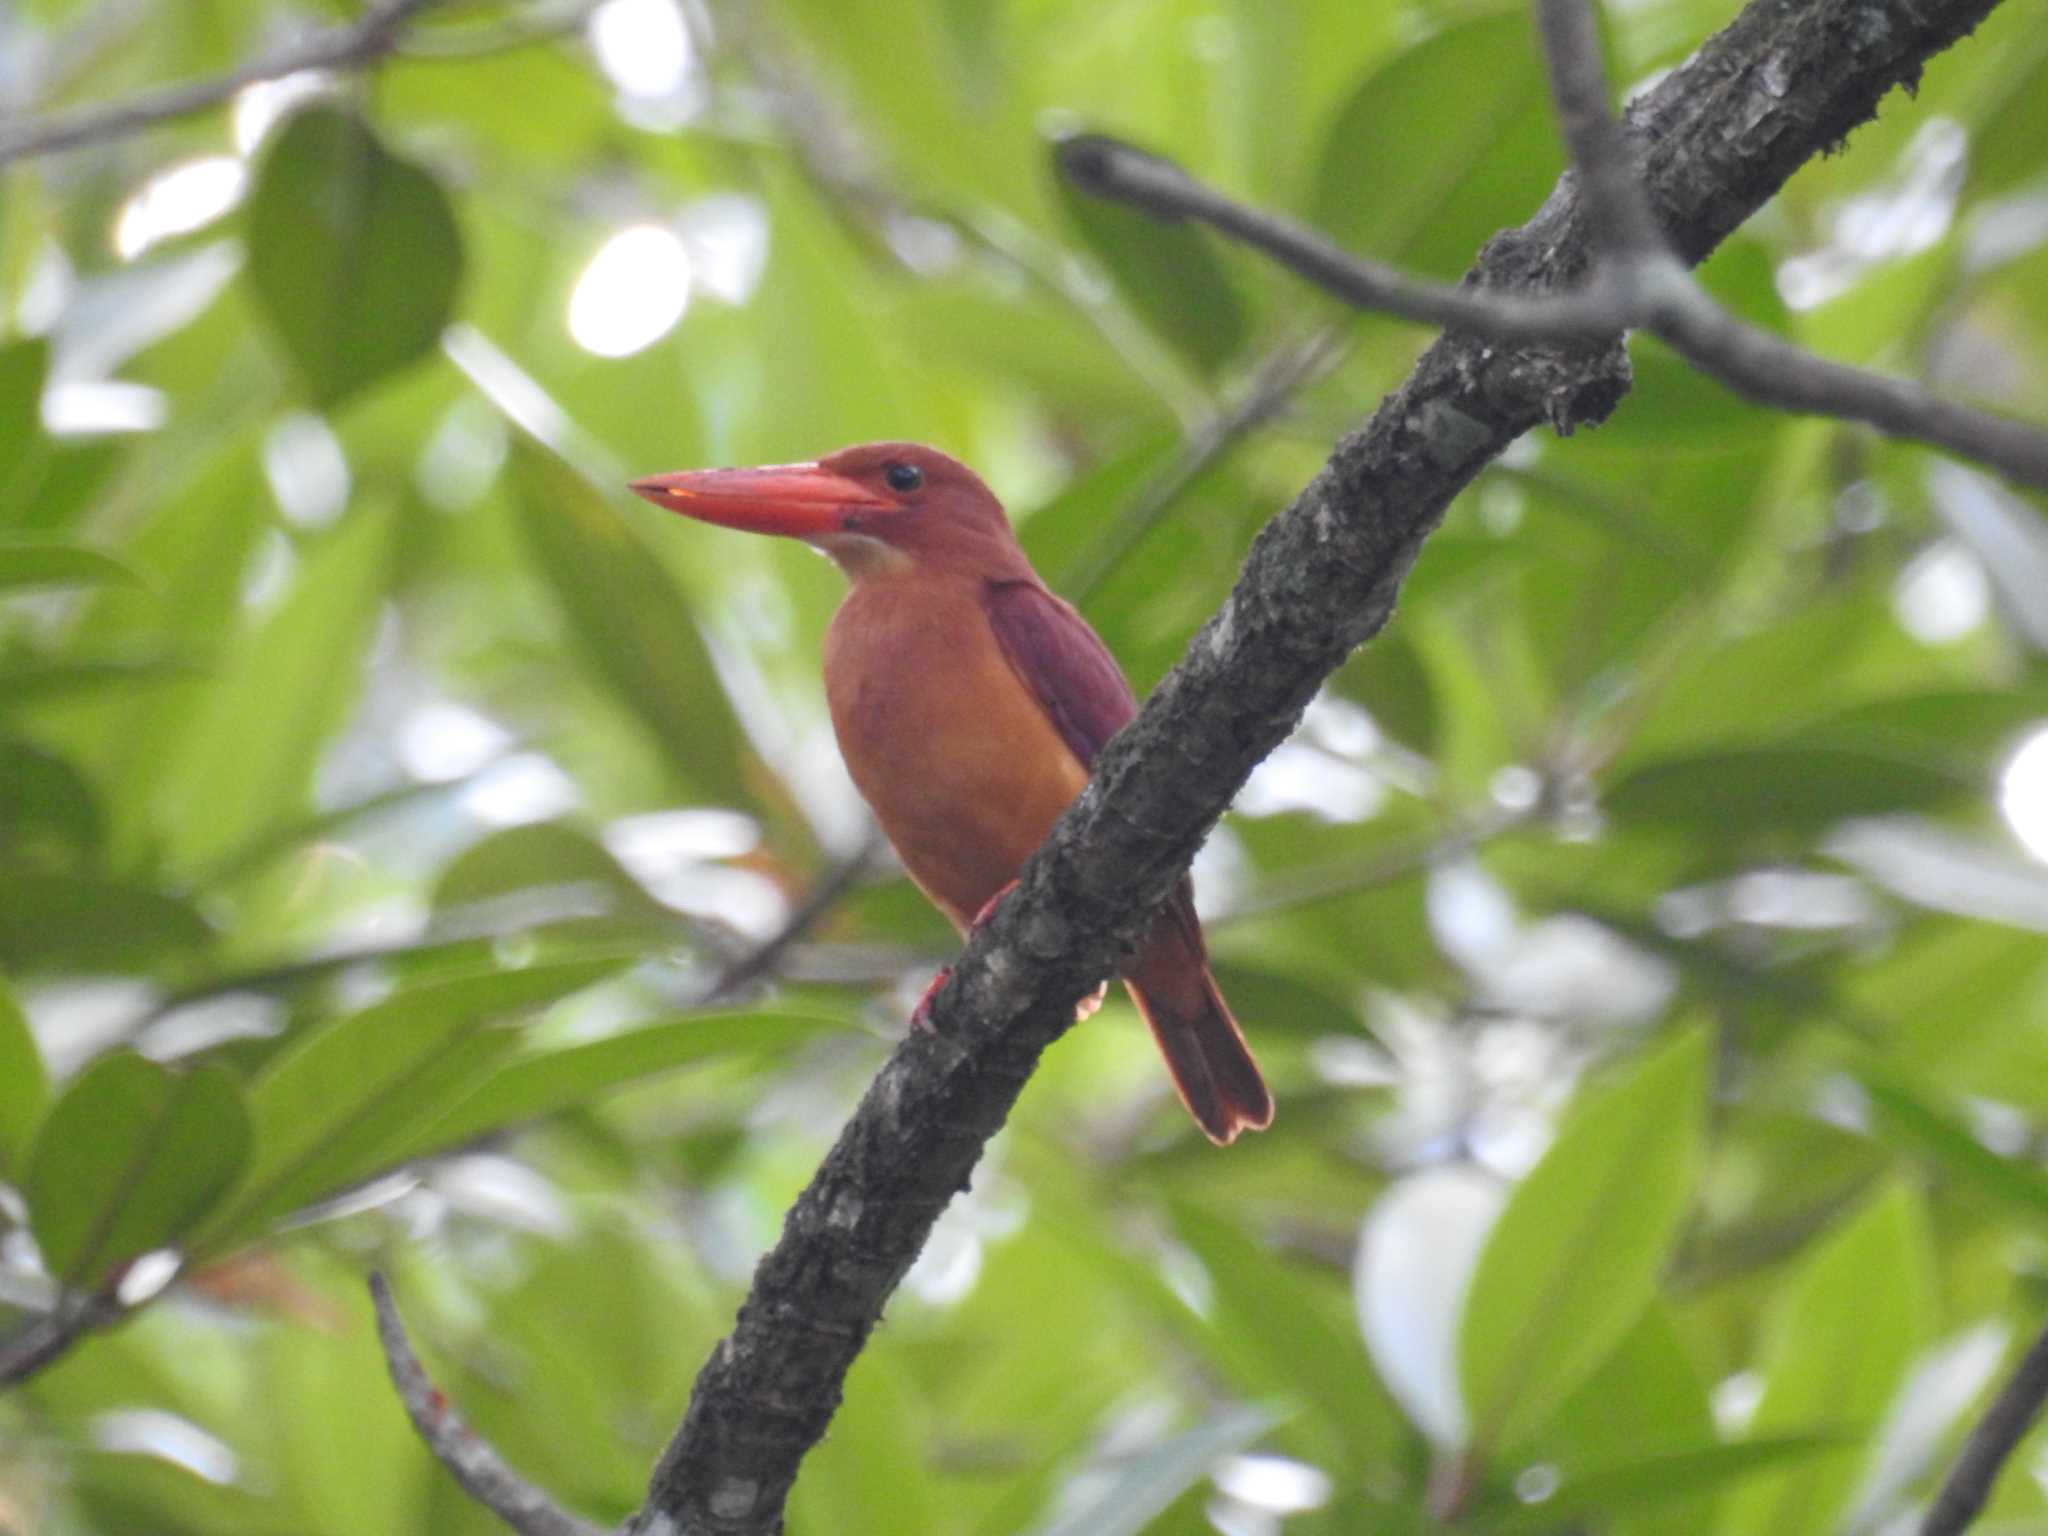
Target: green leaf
x=1168, y=272
x=1276, y=1338
x=1847, y=1327
x=548, y=1082
x=24, y=1087
x=344, y=1102
x=45, y=804
x=1430, y=198
x=534, y=858
x=1574, y=1259
x=1145, y=1485
x=131, y=1156
x=1646, y=1397
x=872, y=1476
x=58, y=565
x=51, y=921
x=354, y=254
x=247, y=764
x=24, y=367
x=1600, y=1494
x=1907, y=1118
x=1745, y=788
x=631, y=623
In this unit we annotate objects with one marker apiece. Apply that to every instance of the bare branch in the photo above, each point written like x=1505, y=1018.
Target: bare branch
x=1621, y=215
x=356, y=46
x=1319, y=580
x=1990, y=1445
x=43, y=1341
x=1279, y=377
x=470, y=1459
x=1650, y=292
x=1113, y=169
x=766, y=958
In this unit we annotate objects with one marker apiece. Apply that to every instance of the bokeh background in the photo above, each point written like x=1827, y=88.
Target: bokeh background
x=389, y=806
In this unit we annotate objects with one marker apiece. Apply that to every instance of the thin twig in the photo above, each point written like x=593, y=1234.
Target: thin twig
x=470, y=1459
x=356, y=46
x=1279, y=377
x=1113, y=169
x=765, y=958
x=42, y=1341
x=1990, y=1445
x=1326, y=882
x=1657, y=296
x=1613, y=189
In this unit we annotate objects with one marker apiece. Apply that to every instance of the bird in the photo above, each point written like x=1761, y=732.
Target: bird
x=969, y=702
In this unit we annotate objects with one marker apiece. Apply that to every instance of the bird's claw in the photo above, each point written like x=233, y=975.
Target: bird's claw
x=921, y=1016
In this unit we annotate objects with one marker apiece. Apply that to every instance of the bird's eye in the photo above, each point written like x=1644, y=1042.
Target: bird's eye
x=903, y=477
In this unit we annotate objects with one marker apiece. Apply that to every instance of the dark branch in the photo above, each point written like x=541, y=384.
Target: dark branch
x=1785, y=80
x=356, y=46
x=1996, y=1436
x=43, y=1341
x=1643, y=286
x=765, y=959
x=1599, y=150
x=470, y=1459
x=1113, y=169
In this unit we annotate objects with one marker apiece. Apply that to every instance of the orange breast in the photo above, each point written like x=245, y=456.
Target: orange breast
x=962, y=767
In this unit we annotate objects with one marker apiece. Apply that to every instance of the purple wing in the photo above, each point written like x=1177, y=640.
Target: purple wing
x=1064, y=663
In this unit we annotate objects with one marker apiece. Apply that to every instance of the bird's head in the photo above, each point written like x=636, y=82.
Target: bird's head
x=878, y=509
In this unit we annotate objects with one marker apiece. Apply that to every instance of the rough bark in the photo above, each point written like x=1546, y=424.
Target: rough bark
x=1786, y=80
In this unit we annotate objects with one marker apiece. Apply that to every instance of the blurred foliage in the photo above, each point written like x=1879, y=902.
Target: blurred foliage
x=1641, y=935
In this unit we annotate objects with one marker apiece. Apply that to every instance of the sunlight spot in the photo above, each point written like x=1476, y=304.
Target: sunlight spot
x=268, y=575
x=90, y=408
x=307, y=470
x=1277, y=1483
x=1417, y=1253
x=1734, y=1401
x=260, y=107
x=1535, y=1485
x=177, y=201
x=2023, y=794
x=1516, y=787
x=1943, y=593
x=650, y=843
x=147, y=1275
x=441, y=741
x=726, y=235
x=642, y=46
x=153, y=1432
x=524, y=787
x=463, y=456
x=1299, y=777
x=46, y=290
x=632, y=293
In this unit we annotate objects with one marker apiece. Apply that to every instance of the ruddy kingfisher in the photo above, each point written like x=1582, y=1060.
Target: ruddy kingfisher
x=969, y=702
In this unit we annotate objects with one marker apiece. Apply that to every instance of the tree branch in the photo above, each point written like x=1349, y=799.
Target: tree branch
x=1991, y=1443
x=1785, y=80
x=471, y=1461
x=1635, y=280
x=356, y=46
x=43, y=1341
x=1281, y=375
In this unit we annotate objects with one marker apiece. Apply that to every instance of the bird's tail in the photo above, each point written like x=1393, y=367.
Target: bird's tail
x=1212, y=1067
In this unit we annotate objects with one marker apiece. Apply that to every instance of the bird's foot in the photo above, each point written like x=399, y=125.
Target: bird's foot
x=988, y=908
x=921, y=1015
x=1090, y=1005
